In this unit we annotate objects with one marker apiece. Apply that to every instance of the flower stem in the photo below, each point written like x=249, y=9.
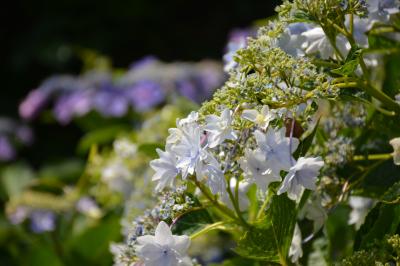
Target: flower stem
x=208, y=228
x=370, y=157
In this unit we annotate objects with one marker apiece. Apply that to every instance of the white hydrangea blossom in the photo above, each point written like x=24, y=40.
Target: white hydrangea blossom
x=262, y=118
x=396, y=153
x=360, y=208
x=163, y=249
x=302, y=175
x=219, y=128
x=277, y=149
x=318, y=42
x=124, y=148
x=165, y=169
x=256, y=169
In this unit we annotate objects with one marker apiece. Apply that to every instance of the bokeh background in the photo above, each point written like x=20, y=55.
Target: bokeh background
x=42, y=38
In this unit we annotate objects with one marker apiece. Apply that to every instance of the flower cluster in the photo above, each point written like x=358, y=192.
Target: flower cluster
x=12, y=135
x=145, y=85
x=297, y=101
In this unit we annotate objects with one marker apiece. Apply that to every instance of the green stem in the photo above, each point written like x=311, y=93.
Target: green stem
x=216, y=204
x=208, y=228
x=264, y=205
x=370, y=157
x=236, y=206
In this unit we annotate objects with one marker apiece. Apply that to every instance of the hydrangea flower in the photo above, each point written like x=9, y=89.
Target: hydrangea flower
x=318, y=42
x=277, y=149
x=257, y=170
x=302, y=175
x=262, y=118
x=165, y=168
x=163, y=249
x=220, y=128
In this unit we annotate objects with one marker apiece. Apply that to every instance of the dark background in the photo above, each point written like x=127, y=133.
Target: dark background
x=38, y=39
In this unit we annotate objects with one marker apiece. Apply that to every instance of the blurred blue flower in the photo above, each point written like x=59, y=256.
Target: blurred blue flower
x=145, y=95
x=42, y=221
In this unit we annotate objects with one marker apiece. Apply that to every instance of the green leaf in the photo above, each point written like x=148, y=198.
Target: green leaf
x=383, y=219
x=350, y=64
x=269, y=239
x=149, y=149
x=340, y=235
x=100, y=136
x=392, y=194
x=192, y=221
x=16, y=178
x=93, y=244
x=42, y=255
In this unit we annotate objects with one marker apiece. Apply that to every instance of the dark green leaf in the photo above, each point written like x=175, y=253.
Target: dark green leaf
x=383, y=219
x=269, y=239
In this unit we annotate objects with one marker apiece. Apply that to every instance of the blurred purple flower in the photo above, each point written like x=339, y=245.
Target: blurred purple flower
x=73, y=104
x=19, y=215
x=143, y=62
x=111, y=102
x=24, y=134
x=145, y=95
x=7, y=151
x=42, y=221
x=33, y=104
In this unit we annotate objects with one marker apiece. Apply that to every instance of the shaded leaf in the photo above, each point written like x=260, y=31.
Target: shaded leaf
x=269, y=239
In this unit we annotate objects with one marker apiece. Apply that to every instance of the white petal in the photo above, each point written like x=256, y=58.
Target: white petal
x=163, y=234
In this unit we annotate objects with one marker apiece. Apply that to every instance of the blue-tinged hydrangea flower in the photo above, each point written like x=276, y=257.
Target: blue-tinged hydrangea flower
x=257, y=170
x=219, y=128
x=237, y=41
x=301, y=175
x=277, y=149
x=163, y=249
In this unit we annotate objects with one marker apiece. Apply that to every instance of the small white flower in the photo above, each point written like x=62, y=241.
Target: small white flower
x=163, y=249
x=165, y=169
x=277, y=149
x=360, y=207
x=262, y=118
x=302, y=175
x=220, y=128
x=396, y=147
x=296, y=251
x=291, y=39
x=124, y=148
x=243, y=187
x=257, y=170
